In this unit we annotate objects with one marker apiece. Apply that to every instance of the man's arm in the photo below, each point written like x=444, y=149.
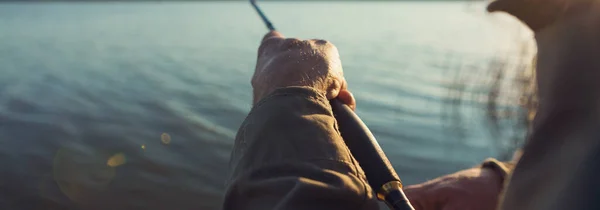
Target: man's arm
x=289, y=155
x=476, y=188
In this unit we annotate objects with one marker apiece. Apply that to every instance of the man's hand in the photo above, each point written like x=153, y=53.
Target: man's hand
x=471, y=189
x=292, y=62
x=538, y=14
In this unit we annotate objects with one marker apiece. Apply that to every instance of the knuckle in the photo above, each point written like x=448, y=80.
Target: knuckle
x=293, y=43
x=253, y=81
x=321, y=42
x=268, y=44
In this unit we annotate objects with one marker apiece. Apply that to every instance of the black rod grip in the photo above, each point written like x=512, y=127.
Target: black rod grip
x=396, y=200
x=366, y=150
x=364, y=146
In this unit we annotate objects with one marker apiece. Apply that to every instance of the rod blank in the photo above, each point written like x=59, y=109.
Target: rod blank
x=262, y=15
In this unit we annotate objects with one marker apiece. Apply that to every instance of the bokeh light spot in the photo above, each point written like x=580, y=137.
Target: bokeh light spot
x=165, y=138
x=116, y=160
x=81, y=175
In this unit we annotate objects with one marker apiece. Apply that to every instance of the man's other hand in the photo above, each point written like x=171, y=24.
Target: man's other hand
x=471, y=189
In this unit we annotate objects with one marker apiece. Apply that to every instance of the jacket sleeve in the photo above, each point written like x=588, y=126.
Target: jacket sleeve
x=288, y=154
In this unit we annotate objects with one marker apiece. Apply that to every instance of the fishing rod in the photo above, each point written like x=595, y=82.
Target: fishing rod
x=365, y=148
x=262, y=15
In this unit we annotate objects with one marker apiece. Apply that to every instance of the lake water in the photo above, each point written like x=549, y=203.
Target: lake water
x=135, y=105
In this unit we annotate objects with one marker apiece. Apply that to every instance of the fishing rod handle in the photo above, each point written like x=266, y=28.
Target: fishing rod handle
x=365, y=149
x=391, y=193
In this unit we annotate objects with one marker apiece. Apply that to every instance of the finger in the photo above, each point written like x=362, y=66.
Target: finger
x=347, y=98
x=333, y=89
x=295, y=43
x=417, y=196
x=319, y=41
x=270, y=42
x=273, y=34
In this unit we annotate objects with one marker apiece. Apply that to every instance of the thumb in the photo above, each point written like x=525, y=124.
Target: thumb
x=273, y=34
x=347, y=98
x=420, y=197
x=270, y=42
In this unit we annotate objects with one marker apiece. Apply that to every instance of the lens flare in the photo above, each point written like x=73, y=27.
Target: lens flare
x=83, y=175
x=165, y=138
x=116, y=160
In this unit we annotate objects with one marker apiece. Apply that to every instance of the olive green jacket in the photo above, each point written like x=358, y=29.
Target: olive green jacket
x=289, y=154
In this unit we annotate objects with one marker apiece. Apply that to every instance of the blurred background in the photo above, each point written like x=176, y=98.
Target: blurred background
x=135, y=105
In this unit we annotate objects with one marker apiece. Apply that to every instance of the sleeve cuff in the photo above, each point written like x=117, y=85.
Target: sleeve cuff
x=299, y=91
x=501, y=168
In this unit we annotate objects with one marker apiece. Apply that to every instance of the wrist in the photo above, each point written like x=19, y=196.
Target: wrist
x=301, y=91
x=268, y=88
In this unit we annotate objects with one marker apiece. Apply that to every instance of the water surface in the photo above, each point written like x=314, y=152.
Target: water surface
x=135, y=105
